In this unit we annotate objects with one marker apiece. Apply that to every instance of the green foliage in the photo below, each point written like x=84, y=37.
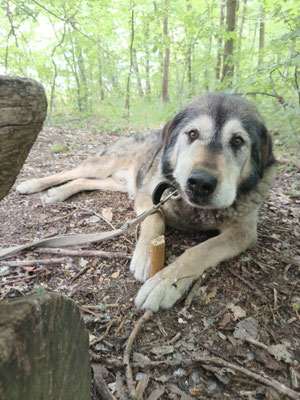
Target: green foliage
x=80, y=51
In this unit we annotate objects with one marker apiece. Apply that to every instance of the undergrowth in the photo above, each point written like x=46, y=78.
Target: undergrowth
x=108, y=116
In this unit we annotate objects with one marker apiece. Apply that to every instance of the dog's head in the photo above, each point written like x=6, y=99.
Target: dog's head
x=216, y=148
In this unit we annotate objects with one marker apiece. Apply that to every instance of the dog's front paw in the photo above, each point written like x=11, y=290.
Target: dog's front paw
x=28, y=187
x=161, y=291
x=140, y=263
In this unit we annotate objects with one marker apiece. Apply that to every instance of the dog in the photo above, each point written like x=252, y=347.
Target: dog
x=217, y=153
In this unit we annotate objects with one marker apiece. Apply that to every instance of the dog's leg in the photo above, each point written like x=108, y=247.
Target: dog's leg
x=167, y=286
x=98, y=168
x=152, y=227
x=40, y=184
x=62, y=192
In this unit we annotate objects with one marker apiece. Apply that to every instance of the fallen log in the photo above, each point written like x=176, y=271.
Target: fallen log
x=44, y=349
x=23, y=107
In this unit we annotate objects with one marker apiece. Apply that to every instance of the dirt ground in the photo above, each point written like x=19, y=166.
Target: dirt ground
x=246, y=312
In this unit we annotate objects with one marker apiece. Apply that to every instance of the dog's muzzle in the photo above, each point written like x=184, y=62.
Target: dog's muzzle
x=201, y=183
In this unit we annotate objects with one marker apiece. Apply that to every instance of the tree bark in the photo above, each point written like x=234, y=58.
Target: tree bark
x=137, y=72
x=44, y=349
x=261, y=43
x=127, y=101
x=220, y=41
x=147, y=53
x=165, y=83
x=229, y=44
x=23, y=107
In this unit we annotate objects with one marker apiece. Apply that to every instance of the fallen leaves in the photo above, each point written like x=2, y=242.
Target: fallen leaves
x=247, y=327
x=238, y=312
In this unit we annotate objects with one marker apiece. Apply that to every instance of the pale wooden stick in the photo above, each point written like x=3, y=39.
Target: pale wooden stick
x=157, y=255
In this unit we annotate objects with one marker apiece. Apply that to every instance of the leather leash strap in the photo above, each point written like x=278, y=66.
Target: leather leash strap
x=75, y=239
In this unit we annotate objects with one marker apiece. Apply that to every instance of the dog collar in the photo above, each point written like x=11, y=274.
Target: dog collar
x=159, y=190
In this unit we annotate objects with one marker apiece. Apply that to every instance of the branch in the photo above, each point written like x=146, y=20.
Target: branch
x=84, y=253
x=261, y=377
x=128, y=349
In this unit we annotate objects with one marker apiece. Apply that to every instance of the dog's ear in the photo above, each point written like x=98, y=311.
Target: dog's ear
x=266, y=152
x=170, y=126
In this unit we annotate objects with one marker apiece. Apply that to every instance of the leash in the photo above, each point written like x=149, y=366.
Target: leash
x=76, y=239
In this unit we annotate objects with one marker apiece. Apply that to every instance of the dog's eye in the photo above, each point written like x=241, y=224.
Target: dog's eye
x=237, y=141
x=193, y=135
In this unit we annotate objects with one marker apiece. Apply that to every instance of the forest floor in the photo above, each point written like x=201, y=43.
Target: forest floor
x=245, y=313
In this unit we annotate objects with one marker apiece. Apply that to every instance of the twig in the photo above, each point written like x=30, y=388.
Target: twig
x=193, y=292
x=256, y=343
x=262, y=265
x=212, y=351
x=98, y=340
x=261, y=377
x=101, y=387
x=249, y=285
x=25, y=278
x=99, y=216
x=128, y=349
x=84, y=253
x=24, y=263
x=80, y=273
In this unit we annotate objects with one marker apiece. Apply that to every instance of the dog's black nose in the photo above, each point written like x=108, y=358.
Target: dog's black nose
x=201, y=182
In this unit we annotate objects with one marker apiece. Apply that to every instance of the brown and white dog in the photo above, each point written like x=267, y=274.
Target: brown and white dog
x=217, y=153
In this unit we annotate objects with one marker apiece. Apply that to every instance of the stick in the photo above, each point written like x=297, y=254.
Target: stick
x=199, y=282
x=102, y=388
x=128, y=349
x=157, y=255
x=98, y=340
x=24, y=263
x=249, y=285
x=261, y=377
x=84, y=253
x=80, y=273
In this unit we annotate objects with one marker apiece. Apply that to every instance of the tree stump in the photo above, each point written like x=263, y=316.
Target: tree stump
x=23, y=107
x=44, y=350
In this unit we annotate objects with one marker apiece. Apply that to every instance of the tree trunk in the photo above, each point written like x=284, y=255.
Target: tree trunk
x=127, y=101
x=137, y=72
x=189, y=52
x=44, y=349
x=229, y=44
x=84, y=89
x=261, y=44
x=242, y=25
x=53, y=84
x=100, y=79
x=147, y=52
x=220, y=41
x=165, y=84
x=23, y=107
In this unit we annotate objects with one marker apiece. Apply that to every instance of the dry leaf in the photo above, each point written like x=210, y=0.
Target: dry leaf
x=211, y=295
x=115, y=275
x=237, y=311
x=29, y=269
x=279, y=351
x=225, y=321
x=247, y=328
x=107, y=214
x=141, y=387
x=264, y=357
x=162, y=350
